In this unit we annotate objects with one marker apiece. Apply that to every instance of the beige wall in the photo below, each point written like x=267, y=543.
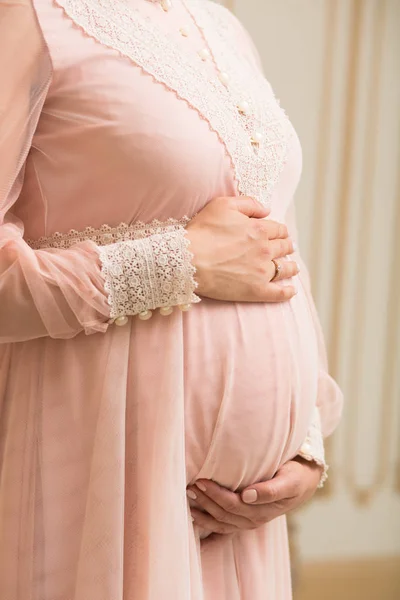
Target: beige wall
x=335, y=65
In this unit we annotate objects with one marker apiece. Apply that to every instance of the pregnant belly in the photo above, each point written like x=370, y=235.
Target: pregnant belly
x=251, y=375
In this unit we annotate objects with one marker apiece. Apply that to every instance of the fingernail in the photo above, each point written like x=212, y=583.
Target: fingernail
x=295, y=247
x=298, y=267
x=190, y=494
x=192, y=519
x=249, y=496
x=201, y=486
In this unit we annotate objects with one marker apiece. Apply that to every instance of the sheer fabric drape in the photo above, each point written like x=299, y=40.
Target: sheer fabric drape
x=55, y=293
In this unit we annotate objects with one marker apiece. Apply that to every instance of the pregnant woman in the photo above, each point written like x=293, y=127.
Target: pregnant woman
x=154, y=330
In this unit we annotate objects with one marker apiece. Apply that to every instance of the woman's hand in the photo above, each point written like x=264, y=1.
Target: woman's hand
x=224, y=512
x=234, y=248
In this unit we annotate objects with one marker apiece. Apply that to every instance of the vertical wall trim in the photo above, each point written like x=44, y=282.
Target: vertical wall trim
x=323, y=144
x=392, y=356
x=358, y=8
x=364, y=249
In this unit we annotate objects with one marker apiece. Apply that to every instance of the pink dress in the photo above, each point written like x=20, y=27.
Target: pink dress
x=120, y=112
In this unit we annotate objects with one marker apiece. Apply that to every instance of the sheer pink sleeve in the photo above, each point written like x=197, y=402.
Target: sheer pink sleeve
x=56, y=293
x=330, y=398
x=62, y=292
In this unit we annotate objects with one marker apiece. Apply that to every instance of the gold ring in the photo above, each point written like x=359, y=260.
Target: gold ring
x=278, y=270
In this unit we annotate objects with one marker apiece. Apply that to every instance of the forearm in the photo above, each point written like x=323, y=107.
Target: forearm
x=60, y=292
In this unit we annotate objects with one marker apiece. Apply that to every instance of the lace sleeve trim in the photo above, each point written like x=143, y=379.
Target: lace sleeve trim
x=149, y=273
x=313, y=448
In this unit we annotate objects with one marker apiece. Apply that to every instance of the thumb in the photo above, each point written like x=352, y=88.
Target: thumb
x=250, y=207
x=267, y=492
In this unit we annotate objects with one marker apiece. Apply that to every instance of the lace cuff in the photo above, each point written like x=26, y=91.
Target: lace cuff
x=313, y=448
x=144, y=274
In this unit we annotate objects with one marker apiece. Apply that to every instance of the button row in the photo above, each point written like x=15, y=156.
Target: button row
x=244, y=106
x=165, y=311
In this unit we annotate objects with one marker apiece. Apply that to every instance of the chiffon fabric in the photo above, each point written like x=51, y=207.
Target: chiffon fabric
x=103, y=427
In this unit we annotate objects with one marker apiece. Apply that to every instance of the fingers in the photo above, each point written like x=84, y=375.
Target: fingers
x=280, y=248
x=207, y=522
x=286, y=270
x=253, y=515
x=276, y=292
x=271, y=229
x=241, y=514
x=229, y=501
x=215, y=510
x=249, y=206
x=284, y=486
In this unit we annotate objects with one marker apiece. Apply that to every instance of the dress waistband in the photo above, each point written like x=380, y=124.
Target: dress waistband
x=108, y=235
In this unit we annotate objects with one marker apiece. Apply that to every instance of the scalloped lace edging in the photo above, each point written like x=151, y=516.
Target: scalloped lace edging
x=106, y=234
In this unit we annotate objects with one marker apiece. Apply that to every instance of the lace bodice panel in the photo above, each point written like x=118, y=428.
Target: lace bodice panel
x=184, y=139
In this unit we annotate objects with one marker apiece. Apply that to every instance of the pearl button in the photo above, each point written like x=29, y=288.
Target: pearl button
x=185, y=307
x=204, y=54
x=166, y=5
x=305, y=449
x=166, y=310
x=145, y=315
x=121, y=321
x=243, y=107
x=184, y=32
x=224, y=78
x=257, y=138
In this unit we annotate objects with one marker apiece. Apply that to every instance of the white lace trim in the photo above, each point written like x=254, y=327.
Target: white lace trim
x=313, y=448
x=257, y=168
x=148, y=273
x=108, y=235
x=121, y=27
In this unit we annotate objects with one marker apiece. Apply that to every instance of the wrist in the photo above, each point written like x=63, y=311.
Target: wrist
x=311, y=463
x=316, y=465
x=196, y=242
